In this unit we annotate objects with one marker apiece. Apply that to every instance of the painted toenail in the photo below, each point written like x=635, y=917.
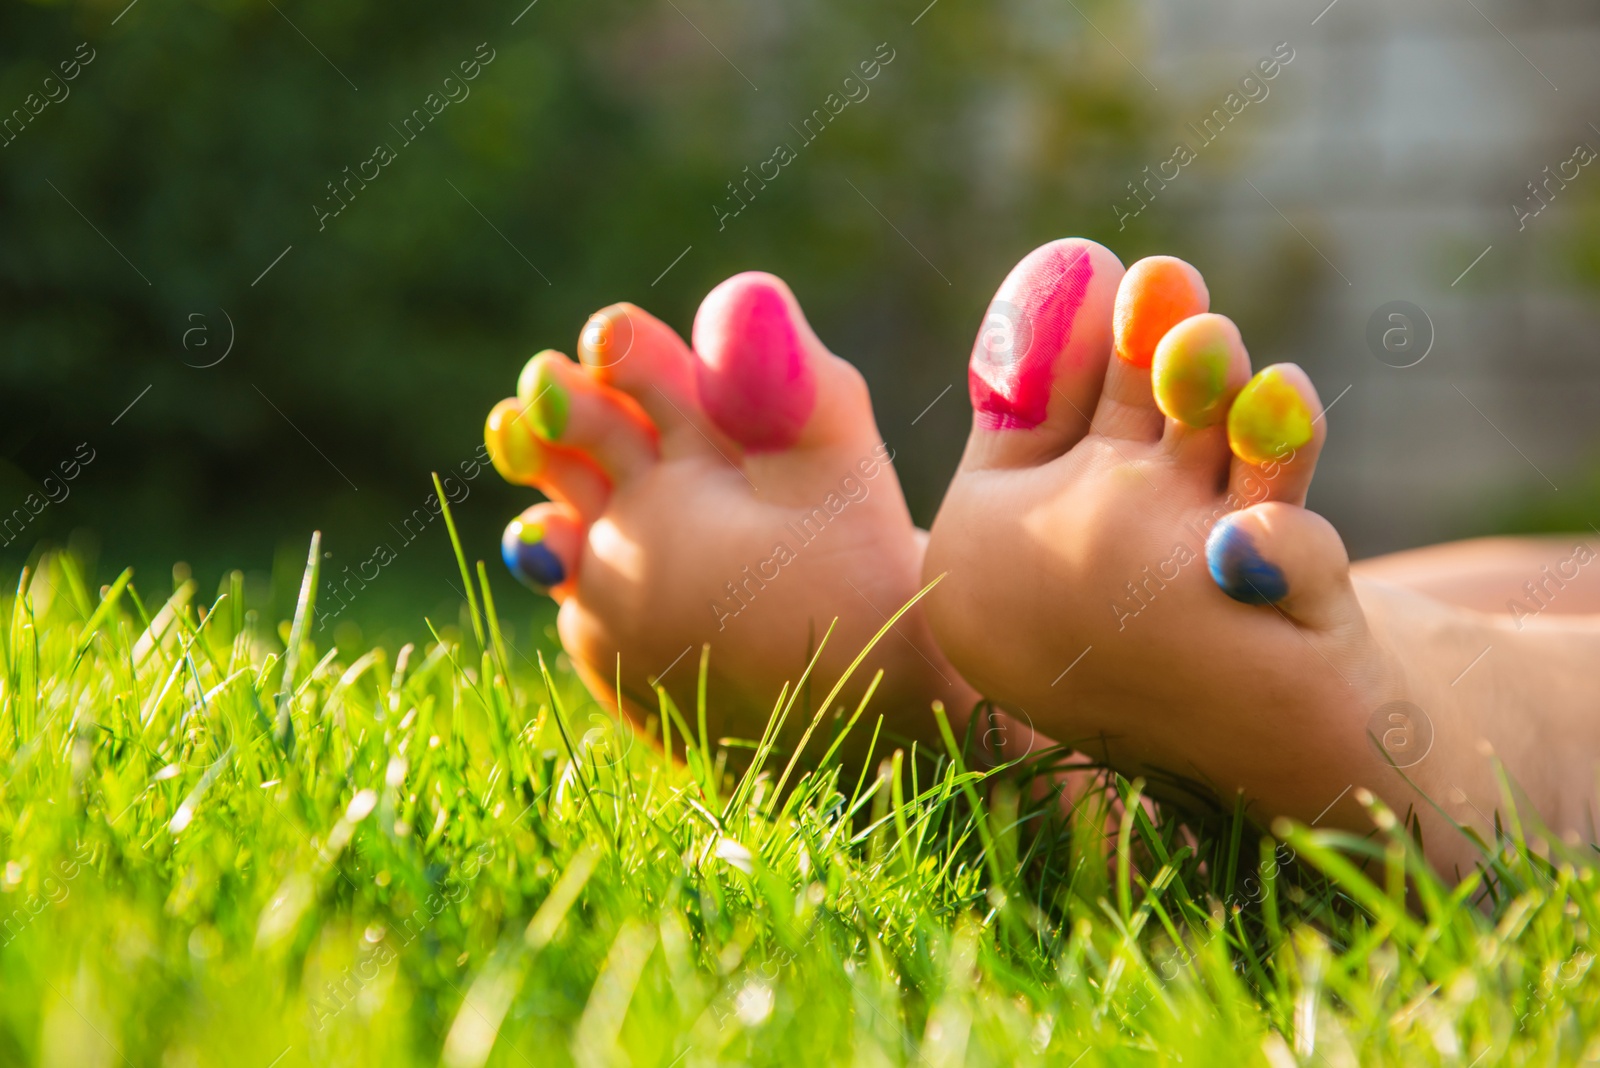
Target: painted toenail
x=1269, y=419
x=513, y=449
x=1239, y=569
x=1157, y=294
x=754, y=378
x=606, y=339
x=1191, y=380
x=1028, y=324
x=523, y=549
x=546, y=399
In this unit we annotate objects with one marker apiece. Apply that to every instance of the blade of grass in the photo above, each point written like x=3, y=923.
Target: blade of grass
x=305, y=608
x=461, y=560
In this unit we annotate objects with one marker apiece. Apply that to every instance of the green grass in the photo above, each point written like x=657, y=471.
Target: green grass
x=227, y=845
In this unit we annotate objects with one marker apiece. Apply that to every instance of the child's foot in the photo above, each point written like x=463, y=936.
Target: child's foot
x=738, y=494
x=1132, y=564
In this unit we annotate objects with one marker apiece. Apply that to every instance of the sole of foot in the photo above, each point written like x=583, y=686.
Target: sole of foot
x=1128, y=559
x=734, y=493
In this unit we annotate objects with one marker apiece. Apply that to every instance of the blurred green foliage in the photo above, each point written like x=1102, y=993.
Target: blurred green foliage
x=198, y=144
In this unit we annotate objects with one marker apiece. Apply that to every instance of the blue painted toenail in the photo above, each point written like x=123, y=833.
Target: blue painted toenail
x=527, y=556
x=1239, y=570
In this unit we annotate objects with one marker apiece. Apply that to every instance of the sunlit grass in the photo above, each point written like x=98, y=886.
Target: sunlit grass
x=227, y=845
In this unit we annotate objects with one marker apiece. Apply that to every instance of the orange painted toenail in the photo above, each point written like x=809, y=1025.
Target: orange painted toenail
x=1028, y=324
x=516, y=453
x=1156, y=294
x=1269, y=419
x=606, y=338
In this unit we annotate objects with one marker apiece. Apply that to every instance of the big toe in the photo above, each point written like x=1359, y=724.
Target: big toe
x=764, y=377
x=1041, y=353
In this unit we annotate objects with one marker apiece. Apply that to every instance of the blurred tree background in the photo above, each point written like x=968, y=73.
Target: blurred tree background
x=149, y=209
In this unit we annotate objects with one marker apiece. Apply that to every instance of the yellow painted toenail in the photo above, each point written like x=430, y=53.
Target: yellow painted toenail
x=516, y=453
x=1269, y=419
x=530, y=533
x=1190, y=377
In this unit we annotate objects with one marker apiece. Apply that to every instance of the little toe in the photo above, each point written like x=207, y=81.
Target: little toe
x=638, y=355
x=1199, y=367
x=1275, y=430
x=1156, y=294
x=764, y=377
x=1040, y=358
x=542, y=546
x=524, y=460
x=1283, y=555
x=566, y=406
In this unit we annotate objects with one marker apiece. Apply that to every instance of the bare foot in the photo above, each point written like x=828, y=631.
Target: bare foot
x=1130, y=562
x=738, y=495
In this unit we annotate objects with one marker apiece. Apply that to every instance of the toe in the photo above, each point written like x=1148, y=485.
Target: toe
x=1282, y=555
x=1275, y=429
x=1156, y=294
x=633, y=352
x=524, y=460
x=1198, y=368
x=541, y=547
x=565, y=406
x=764, y=377
x=1041, y=354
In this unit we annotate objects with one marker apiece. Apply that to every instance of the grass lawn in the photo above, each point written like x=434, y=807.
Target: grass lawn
x=227, y=845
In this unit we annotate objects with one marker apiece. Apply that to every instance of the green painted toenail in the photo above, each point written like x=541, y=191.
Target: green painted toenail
x=1190, y=387
x=548, y=403
x=530, y=533
x=526, y=387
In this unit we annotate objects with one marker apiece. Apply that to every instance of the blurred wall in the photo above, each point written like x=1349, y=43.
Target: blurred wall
x=1385, y=163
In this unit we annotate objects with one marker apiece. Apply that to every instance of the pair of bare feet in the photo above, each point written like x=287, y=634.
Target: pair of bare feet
x=1129, y=568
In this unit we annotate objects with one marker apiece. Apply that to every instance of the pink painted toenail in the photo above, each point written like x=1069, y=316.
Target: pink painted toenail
x=754, y=380
x=1027, y=325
